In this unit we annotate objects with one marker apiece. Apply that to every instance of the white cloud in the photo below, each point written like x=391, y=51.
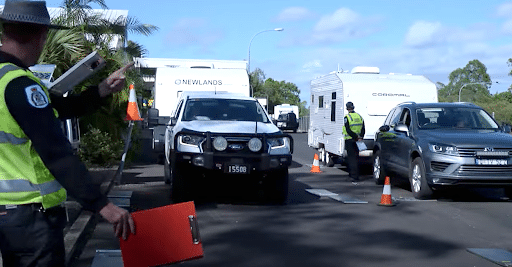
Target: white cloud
x=341, y=26
x=423, y=33
x=504, y=10
x=193, y=31
x=311, y=65
x=294, y=14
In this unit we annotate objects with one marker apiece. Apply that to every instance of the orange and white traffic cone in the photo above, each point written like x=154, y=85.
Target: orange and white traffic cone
x=316, y=166
x=385, y=199
x=132, y=112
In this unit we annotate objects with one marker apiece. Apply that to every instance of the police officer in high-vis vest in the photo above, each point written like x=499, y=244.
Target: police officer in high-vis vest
x=37, y=165
x=353, y=130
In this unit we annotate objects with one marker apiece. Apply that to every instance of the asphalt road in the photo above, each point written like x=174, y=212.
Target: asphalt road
x=312, y=230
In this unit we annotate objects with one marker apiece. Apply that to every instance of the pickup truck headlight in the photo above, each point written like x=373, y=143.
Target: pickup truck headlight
x=190, y=143
x=445, y=149
x=279, y=145
x=220, y=143
x=255, y=144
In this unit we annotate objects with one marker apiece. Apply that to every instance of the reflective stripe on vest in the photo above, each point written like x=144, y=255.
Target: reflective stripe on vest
x=24, y=178
x=9, y=186
x=10, y=138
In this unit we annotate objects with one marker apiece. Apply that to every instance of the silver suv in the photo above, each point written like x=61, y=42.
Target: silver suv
x=440, y=145
x=217, y=139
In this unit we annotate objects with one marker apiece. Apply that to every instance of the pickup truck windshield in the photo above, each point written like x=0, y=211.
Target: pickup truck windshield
x=224, y=110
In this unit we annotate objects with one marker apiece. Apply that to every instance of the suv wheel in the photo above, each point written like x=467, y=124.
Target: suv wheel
x=419, y=187
x=379, y=174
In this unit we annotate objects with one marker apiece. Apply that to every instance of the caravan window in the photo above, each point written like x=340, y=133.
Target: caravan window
x=333, y=96
x=312, y=99
x=333, y=110
x=321, y=101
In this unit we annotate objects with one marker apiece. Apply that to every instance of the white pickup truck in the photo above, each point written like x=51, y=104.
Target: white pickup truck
x=214, y=138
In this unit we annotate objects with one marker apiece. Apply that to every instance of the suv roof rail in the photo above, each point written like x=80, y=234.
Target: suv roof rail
x=469, y=103
x=408, y=102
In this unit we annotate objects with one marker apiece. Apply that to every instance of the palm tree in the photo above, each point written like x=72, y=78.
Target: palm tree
x=88, y=32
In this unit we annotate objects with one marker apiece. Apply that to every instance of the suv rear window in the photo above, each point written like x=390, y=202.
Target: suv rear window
x=224, y=110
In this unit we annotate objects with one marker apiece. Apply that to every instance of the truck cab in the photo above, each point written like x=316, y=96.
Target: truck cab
x=214, y=138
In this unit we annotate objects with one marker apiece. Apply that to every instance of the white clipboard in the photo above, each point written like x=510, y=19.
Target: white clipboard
x=361, y=146
x=82, y=70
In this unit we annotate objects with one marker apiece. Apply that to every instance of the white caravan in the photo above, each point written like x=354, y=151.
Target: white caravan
x=284, y=109
x=373, y=95
x=171, y=80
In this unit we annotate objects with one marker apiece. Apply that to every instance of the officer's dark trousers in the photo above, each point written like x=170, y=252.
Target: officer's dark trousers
x=30, y=237
x=352, y=158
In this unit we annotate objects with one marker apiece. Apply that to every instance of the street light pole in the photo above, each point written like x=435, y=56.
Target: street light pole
x=249, y=53
x=482, y=83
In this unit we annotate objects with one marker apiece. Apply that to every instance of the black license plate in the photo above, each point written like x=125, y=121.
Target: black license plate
x=237, y=168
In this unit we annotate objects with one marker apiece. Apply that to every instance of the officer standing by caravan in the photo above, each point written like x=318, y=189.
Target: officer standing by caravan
x=37, y=164
x=353, y=130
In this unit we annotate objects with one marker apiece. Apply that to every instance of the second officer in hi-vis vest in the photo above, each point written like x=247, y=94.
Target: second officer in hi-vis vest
x=37, y=164
x=353, y=130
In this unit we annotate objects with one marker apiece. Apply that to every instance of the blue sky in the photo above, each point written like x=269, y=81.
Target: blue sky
x=423, y=37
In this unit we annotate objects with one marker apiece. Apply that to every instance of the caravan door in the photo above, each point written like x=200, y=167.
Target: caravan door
x=334, y=114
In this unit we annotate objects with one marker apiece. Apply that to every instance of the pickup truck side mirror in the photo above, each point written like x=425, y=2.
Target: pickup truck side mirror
x=506, y=128
x=173, y=121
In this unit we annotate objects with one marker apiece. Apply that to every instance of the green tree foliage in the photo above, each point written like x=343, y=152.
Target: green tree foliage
x=474, y=81
x=90, y=32
x=277, y=92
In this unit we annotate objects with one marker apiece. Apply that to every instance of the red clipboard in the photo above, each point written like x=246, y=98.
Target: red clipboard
x=163, y=235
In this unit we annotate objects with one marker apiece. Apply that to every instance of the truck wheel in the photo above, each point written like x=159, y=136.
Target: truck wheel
x=419, y=187
x=277, y=190
x=379, y=174
x=179, y=188
x=167, y=172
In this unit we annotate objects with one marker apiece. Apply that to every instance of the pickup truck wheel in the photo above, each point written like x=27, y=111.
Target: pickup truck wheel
x=179, y=188
x=277, y=186
x=419, y=187
x=167, y=172
x=379, y=174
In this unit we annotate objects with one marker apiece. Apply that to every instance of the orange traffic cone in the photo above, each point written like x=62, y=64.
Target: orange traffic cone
x=316, y=165
x=132, y=112
x=385, y=199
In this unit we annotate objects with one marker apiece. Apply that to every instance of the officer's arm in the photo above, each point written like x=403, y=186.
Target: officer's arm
x=363, y=131
x=41, y=126
x=77, y=105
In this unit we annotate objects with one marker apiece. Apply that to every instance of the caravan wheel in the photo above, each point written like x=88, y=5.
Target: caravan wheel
x=322, y=153
x=329, y=159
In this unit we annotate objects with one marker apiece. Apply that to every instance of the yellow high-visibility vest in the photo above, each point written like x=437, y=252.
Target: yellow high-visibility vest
x=24, y=178
x=355, y=122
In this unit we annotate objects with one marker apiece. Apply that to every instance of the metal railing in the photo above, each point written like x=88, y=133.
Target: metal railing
x=303, y=124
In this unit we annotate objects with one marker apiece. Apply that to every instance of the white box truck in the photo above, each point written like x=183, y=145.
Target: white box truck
x=171, y=82
x=284, y=120
x=373, y=94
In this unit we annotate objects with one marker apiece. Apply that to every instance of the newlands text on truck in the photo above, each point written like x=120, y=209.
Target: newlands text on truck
x=171, y=82
x=373, y=95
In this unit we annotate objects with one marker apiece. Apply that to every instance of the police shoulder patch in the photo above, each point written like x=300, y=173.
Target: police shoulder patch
x=36, y=96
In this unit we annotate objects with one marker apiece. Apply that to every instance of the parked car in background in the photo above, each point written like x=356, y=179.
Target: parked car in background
x=287, y=121
x=442, y=145
x=216, y=138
